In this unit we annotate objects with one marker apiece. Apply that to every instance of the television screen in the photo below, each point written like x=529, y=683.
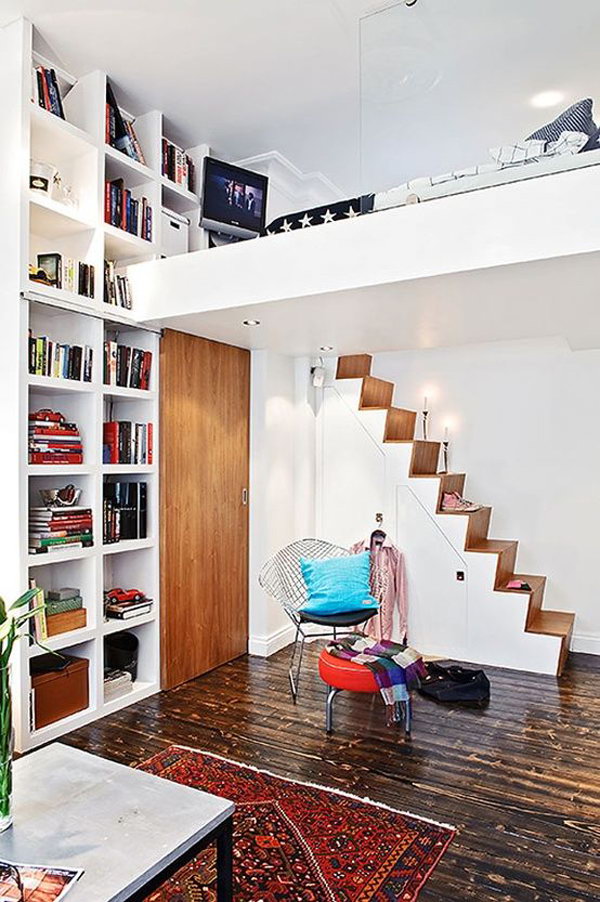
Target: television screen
x=234, y=200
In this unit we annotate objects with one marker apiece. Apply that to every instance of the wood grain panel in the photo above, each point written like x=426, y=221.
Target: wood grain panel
x=205, y=398
x=376, y=394
x=425, y=458
x=353, y=366
x=400, y=425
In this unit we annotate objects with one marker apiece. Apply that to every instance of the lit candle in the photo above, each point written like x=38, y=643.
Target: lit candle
x=425, y=403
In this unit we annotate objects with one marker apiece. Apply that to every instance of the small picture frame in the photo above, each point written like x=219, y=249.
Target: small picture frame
x=51, y=264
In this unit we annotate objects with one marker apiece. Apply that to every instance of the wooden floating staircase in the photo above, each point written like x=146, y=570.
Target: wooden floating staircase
x=400, y=426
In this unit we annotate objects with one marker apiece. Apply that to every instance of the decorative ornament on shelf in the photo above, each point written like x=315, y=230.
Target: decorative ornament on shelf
x=12, y=621
x=425, y=415
x=68, y=496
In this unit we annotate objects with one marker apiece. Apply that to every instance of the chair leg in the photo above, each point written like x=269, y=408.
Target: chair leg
x=294, y=672
x=329, y=709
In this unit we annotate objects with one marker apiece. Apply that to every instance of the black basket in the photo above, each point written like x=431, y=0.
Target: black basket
x=121, y=653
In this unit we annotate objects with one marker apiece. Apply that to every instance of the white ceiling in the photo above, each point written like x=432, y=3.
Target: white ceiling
x=441, y=81
x=504, y=303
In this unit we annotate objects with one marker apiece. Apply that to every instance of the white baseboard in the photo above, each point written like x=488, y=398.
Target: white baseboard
x=586, y=643
x=265, y=646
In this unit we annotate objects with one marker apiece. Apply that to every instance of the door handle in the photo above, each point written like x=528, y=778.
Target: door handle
x=244, y=496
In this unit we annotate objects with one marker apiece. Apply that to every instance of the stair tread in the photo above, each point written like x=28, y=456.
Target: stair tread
x=536, y=582
x=353, y=366
x=484, y=507
x=552, y=623
x=492, y=546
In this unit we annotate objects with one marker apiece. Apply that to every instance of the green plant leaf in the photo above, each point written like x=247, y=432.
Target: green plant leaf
x=2, y=610
x=24, y=599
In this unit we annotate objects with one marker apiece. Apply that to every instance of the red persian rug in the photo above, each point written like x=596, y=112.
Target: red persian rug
x=295, y=842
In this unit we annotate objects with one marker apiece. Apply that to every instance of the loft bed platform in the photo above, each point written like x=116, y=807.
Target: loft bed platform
x=539, y=215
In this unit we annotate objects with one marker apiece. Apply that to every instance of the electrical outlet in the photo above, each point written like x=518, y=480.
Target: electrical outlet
x=460, y=575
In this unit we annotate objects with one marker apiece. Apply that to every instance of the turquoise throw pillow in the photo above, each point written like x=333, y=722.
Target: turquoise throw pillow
x=338, y=585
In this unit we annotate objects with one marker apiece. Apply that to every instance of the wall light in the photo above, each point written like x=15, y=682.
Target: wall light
x=251, y=322
x=547, y=99
x=326, y=348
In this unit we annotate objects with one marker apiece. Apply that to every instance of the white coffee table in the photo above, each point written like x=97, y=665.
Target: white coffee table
x=128, y=830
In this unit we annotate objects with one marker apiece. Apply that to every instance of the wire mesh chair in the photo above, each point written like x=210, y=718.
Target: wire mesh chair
x=281, y=577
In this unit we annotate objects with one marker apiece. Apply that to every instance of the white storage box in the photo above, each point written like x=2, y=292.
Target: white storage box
x=175, y=230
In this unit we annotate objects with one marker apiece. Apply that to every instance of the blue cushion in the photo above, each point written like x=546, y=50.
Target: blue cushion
x=338, y=585
x=578, y=118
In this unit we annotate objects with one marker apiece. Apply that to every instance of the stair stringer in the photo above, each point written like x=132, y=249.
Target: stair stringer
x=496, y=621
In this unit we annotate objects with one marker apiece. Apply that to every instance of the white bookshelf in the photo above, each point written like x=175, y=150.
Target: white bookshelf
x=35, y=223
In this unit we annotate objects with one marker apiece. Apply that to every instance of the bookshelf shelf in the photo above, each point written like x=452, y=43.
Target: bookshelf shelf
x=117, y=626
x=140, y=690
x=126, y=469
x=128, y=545
x=135, y=394
x=54, y=386
x=119, y=165
x=74, y=470
x=48, y=129
x=177, y=197
x=120, y=244
x=63, y=640
x=55, y=220
x=59, y=296
x=57, y=557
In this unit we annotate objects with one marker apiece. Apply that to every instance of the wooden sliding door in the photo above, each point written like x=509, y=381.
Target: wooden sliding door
x=204, y=470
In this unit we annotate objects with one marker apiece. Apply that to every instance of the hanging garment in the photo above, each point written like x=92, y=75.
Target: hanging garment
x=388, y=587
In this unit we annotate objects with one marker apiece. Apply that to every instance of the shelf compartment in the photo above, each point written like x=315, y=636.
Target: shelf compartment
x=178, y=198
x=50, y=132
x=59, y=470
x=135, y=394
x=128, y=469
x=122, y=626
x=52, y=385
x=52, y=219
x=57, y=557
x=60, y=295
x=139, y=690
x=64, y=640
x=127, y=545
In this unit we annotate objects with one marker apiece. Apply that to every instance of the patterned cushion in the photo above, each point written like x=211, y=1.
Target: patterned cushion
x=578, y=118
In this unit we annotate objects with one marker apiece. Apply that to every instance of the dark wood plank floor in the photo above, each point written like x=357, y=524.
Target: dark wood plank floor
x=520, y=780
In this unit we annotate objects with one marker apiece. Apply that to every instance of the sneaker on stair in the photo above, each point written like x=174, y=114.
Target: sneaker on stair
x=453, y=502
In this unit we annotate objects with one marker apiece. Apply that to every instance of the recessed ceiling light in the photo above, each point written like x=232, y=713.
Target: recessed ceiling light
x=326, y=348
x=252, y=322
x=547, y=99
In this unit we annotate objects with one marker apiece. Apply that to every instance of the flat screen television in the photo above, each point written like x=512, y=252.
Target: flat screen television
x=234, y=200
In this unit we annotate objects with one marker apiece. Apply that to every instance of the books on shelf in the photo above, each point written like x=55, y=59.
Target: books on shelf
x=123, y=211
x=126, y=367
x=127, y=443
x=52, y=440
x=125, y=512
x=61, y=361
x=64, y=273
x=177, y=166
x=119, y=131
x=128, y=610
x=45, y=90
x=117, y=290
x=53, y=529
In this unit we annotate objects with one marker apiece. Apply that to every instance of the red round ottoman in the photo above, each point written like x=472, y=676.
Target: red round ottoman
x=340, y=674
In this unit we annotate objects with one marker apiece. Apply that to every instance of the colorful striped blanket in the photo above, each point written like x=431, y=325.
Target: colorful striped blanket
x=396, y=668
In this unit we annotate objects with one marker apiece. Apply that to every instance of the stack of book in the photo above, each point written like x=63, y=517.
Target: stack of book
x=67, y=274
x=60, y=527
x=177, y=166
x=125, y=212
x=127, y=610
x=116, y=683
x=126, y=367
x=64, y=612
x=46, y=92
x=119, y=131
x=52, y=440
x=127, y=443
x=117, y=290
x=61, y=361
x=125, y=513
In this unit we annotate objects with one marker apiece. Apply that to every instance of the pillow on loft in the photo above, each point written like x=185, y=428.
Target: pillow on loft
x=578, y=118
x=534, y=151
x=338, y=585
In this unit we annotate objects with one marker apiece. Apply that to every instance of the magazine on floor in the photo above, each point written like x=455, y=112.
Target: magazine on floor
x=35, y=883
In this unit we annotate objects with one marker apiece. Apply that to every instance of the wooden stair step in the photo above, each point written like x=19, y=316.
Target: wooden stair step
x=507, y=556
x=555, y=623
x=400, y=425
x=354, y=366
x=376, y=394
x=536, y=583
x=425, y=457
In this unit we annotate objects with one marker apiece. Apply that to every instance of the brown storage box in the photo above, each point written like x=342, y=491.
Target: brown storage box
x=60, y=693
x=66, y=621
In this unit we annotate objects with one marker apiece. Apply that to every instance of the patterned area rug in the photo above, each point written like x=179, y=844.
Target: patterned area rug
x=295, y=842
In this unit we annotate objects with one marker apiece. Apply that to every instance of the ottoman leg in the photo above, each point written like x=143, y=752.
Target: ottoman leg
x=407, y=716
x=329, y=709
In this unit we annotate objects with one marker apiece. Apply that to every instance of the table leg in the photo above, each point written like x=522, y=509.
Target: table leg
x=225, y=862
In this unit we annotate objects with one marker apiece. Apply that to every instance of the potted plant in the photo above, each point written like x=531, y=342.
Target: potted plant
x=12, y=621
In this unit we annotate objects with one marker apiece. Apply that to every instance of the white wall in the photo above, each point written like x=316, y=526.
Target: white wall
x=525, y=429
x=282, y=481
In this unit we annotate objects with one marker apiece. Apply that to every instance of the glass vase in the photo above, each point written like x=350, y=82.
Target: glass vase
x=6, y=749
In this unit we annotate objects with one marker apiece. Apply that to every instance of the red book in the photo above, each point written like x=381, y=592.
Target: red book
x=44, y=457
x=145, y=370
x=47, y=103
x=53, y=430
x=149, y=441
x=111, y=438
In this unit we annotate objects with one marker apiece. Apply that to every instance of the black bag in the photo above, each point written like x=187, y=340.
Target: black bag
x=455, y=685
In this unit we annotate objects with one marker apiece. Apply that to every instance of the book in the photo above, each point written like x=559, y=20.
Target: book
x=50, y=884
x=45, y=91
x=122, y=612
